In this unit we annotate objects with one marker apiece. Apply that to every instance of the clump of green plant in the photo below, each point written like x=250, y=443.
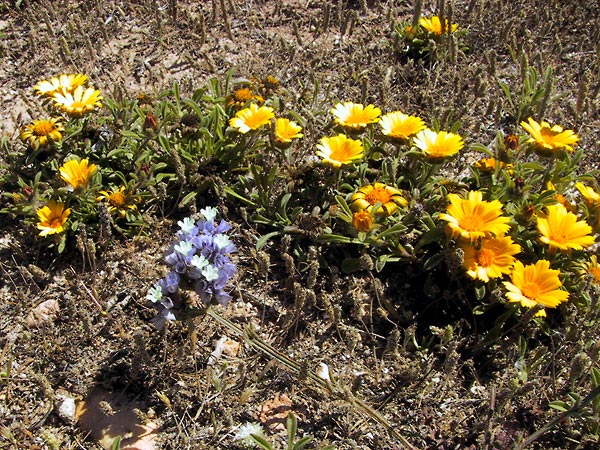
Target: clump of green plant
x=252, y=436
x=424, y=38
x=82, y=171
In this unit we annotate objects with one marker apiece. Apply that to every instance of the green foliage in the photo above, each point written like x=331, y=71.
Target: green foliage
x=426, y=38
x=531, y=100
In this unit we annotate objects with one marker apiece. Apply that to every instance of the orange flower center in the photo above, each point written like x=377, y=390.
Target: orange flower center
x=485, y=257
x=471, y=223
x=531, y=290
x=55, y=222
x=558, y=237
x=341, y=153
x=547, y=134
x=116, y=199
x=378, y=195
x=43, y=128
x=243, y=95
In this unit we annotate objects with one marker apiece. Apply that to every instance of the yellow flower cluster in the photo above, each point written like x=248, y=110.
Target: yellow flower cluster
x=255, y=117
x=396, y=126
x=69, y=94
x=481, y=230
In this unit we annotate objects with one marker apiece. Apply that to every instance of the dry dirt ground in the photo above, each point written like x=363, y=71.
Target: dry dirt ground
x=101, y=349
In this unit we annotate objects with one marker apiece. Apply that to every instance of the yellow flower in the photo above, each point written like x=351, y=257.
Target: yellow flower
x=489, y=165
x=252, y=118
x=474, y=218
x=434, y=25
x=593, y=268
x=438, y=145
x=549, y=140
x=286, y=130
x=398, y=125
x=63, y=84
x=355, y=115
x=52, y=218
x=591, y=197
x=492, y=258
x=362, y=221
x=119, y=200
x=241, y=96
x=535, y=284
x=339, y=150
x=77, y=173
x=367, y=196
x=561, y=230
x=78, y=102
x=42, y=132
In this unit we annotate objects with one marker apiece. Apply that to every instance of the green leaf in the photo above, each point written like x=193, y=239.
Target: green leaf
x=480, y=291
x=431, y=236
x=335, y=238
x=261, y=441
x=559, y=405
x=62, y=243
x=116, y=444
x=302, y=443
x=187, y=199
x=162, y=176
x=262, y=241
x=292, y=427
x=350, y=265
x=433, y=261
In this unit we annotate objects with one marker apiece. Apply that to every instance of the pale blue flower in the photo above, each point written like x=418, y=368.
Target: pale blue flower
x=210, y=272
x=187, y=225
x=184, y=248
x=198, y=259
x=209, y=213
x=199, y=262
x=155, y=294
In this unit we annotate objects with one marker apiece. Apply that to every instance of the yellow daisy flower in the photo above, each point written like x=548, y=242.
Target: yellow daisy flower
x=119, y=200
x=241, y=96
x=78, y=102
x=354, y=115
x=252, y=118
x=398, y=125
x=535, y=284
x=549, y=139
x=593, y=268
x=561, y=230
x=52, y=218
x=367, y=196
x=77, y=174
x=591, y=197
x=492, y=258
x=474, y=218
x=63, y=84
x=438, y=145
x=339, y=150
x=434, y=25
x=42, y=132
x=363, y=221
x=286, y=130
x=489, y=165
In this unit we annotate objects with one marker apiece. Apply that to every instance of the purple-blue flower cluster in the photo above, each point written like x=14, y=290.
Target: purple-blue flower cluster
x=198, y=260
